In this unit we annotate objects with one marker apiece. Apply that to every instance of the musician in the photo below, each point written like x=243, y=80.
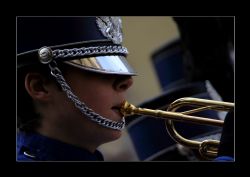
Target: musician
x=72, y=76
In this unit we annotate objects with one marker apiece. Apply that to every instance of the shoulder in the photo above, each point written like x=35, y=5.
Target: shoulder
x=23, y=156
x=26, y=148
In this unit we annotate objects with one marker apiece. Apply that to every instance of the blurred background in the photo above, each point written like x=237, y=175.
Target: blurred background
x=174, y=57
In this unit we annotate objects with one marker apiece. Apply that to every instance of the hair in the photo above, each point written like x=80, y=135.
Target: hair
x=27, y=117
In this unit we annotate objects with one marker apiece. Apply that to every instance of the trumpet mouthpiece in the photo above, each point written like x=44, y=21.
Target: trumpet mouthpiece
x=127, y=109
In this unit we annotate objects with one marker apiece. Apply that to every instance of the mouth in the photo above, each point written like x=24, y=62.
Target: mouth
x=117, y=109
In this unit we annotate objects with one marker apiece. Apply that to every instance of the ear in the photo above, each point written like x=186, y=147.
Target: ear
x=37, y=86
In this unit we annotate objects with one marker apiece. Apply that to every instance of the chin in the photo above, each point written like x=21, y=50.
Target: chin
x=113, y=135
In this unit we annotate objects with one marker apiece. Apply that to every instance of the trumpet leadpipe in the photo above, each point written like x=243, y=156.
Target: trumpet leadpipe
x=128, y=109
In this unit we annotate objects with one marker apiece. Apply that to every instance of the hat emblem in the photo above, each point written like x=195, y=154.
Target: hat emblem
x=111, y=27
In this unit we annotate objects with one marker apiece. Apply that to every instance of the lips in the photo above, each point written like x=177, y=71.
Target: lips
x=117, y=108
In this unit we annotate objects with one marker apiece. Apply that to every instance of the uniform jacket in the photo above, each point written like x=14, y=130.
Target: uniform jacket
x=36, y=147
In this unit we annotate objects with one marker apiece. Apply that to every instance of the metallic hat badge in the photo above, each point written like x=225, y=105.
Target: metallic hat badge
x=111, y=27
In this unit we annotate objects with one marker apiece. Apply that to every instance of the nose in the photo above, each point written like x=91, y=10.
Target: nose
x=122, y=83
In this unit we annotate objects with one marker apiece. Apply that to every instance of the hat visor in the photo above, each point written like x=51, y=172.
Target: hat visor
x=111, y=64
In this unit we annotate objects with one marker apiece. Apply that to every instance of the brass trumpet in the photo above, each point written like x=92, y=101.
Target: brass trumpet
x=208, y=149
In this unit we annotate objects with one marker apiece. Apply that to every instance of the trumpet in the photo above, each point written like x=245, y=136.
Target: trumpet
x=208, y=149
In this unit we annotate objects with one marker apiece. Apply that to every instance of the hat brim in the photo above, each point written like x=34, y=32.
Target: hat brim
x=110, y=64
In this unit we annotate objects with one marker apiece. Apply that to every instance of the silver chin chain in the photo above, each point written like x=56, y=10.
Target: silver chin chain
x=89, y=113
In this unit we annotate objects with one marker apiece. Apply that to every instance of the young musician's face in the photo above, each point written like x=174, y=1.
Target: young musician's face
x=103, y=93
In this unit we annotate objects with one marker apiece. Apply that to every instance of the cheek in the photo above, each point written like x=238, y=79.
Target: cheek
x=97, y=94
x=99, y=99
x=65, y=105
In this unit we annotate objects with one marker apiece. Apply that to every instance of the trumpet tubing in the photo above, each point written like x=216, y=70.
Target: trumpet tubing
x=129, y=109
x=207, y=148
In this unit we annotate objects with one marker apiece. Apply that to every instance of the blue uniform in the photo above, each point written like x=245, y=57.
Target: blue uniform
x=35, y=147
